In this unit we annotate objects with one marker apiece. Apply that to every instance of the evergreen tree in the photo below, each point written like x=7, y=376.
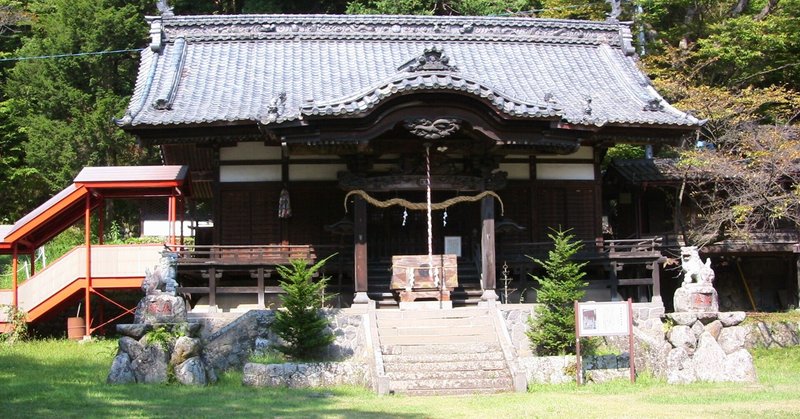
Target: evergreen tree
x=552, y=330
x=300, y=323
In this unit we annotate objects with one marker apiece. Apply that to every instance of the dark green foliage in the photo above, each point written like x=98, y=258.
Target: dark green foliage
x=552, y=330
x=301, y=323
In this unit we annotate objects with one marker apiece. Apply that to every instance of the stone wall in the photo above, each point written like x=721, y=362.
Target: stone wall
x=317, y=374
x=562, y=369
x=231, y=345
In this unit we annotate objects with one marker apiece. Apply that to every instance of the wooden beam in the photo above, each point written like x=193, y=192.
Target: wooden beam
x=87, y=222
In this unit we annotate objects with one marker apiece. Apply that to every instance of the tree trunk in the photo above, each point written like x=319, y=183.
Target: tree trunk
x=740, y=6
x=767, y=9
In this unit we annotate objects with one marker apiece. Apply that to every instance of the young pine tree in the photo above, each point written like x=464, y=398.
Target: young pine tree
x=301, y=324
x=552, y=330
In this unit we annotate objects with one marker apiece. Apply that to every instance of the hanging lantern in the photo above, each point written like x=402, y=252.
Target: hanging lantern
x=284, y=205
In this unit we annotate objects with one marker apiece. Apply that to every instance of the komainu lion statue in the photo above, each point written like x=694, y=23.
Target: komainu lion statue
x=694, y=270
x=163, y=278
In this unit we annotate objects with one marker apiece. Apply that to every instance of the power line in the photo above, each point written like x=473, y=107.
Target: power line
x=77, y=54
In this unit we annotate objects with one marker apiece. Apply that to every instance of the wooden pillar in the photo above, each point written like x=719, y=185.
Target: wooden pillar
x=657, y=281
x=181, y=211
x=614, y=280
x=172, y=218
x=487, y=250
x=14, y=279
x=216, y=203
x=87, y=222
x=360, y=251
x=33, y=263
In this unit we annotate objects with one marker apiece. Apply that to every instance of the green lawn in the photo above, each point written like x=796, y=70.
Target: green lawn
x=66, y=379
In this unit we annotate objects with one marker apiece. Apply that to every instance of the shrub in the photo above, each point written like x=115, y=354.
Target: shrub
x=552, y=330
x=19, y=325
x=300, y=323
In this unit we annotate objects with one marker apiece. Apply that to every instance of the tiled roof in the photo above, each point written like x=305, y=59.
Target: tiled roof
x=270, y=69
x=661, y=170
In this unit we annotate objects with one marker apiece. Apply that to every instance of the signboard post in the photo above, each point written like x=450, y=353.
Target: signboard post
x=604, y=319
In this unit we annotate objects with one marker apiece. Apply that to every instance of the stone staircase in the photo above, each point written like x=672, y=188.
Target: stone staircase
x=442, y=352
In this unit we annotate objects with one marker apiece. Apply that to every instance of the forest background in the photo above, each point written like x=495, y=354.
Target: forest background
x=735, y=63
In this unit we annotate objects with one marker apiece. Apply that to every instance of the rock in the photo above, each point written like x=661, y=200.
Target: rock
x=679, y=367
x=709, y=359
x=261, y=346
x=714, y=328
x=160, y=308
x=651, y=350
x=698, y=328
x=731, y=318
x=185, y=348
x=131, y=347
x=136, y=331
x=683, y=319
x=732, y=339
x=739, y=367
x=191, y=372
x=683, y=337
x=151, y=365
x=707, y=318
x=121, y=372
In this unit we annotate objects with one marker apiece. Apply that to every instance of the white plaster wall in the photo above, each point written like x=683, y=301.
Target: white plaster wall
x=250, y=173
x=315, y=171
x=584, y=152
x=517, y=171
x=249, y=151
x=561, y=171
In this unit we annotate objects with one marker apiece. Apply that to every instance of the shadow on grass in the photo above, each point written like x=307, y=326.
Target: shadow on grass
x=45, y=385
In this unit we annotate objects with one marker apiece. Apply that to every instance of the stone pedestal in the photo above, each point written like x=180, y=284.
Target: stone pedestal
x=160, y=308
x=696, y=299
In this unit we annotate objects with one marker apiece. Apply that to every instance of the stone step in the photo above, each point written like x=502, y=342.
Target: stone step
x=485, y=337
x=445, y=366
x=475, y=348
x=438, y=358
x=477, y=321
x=500, y=383
x=450, y=391
x=466, y=312
x=445, y=375
x=453, y=330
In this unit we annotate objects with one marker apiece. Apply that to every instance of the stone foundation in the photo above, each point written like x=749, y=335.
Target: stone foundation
x=317, y=374
x=708, y=347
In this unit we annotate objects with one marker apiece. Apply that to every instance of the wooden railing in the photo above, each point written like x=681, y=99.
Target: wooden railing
x=244, y=255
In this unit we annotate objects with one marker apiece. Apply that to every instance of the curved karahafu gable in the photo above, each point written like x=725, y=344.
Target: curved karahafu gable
x=276, y=69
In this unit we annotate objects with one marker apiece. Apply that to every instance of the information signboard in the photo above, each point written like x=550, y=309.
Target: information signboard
x=604, y=319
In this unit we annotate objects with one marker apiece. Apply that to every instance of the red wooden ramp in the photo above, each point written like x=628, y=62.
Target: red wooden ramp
x=102, y=267
x=115, y=267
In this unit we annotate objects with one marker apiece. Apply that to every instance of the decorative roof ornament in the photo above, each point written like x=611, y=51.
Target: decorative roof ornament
x=654, y=105
x=432, y=130
x=432, y=59
x=587, y=100
x=275, y=108
x=616, y=9
x=164, y=8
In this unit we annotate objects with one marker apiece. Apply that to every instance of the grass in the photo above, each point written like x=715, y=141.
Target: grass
x=66, y=379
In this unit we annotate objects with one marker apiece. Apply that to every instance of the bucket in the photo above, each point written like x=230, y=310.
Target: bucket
x=76, y=328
